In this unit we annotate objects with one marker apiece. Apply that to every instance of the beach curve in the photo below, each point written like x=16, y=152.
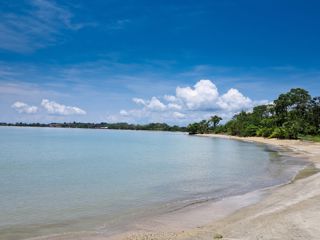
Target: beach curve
x=285, y=212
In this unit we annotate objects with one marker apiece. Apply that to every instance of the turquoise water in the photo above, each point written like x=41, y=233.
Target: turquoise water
x=60, y=180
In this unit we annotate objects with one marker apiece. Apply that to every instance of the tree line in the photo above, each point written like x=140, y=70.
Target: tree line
x=290, y=116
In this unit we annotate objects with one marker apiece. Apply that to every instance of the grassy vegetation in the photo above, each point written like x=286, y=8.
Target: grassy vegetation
x=310, y=138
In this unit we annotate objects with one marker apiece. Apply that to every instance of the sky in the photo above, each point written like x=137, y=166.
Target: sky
x=142, y=61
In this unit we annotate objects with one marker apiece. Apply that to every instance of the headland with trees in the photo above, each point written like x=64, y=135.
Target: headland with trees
x=293, y=115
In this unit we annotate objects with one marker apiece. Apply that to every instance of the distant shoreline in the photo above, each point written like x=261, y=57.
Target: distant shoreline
x=102, y=126
x=305, y=148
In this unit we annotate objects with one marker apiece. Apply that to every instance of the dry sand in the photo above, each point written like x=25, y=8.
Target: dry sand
x=291, y=211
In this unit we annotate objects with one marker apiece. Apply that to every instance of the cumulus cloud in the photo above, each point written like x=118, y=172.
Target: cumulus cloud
x=191, y=103
x=203, y=95
x=170, y=98
x=22, y=107
x=178, y=115
x=154, y=104
x=234, y=100
x=138, y=101
x=174, y=106
x=124, y=113
x=60, y=109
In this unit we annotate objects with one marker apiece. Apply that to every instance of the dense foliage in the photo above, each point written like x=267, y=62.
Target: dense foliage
x=123, y=126
x=291, y=115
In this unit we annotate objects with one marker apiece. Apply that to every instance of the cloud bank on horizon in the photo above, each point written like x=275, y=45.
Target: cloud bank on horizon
x=51, y=107
x=60, y=109
x=22, y=107
x=189, y=104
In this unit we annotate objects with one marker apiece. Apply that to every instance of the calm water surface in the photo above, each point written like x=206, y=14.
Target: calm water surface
x=60, y=180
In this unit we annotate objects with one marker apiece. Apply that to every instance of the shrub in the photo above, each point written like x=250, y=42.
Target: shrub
x=251, y=130
x=310, y=130
x=217, y=236
x=291, y=129
x=264, y=132
x=279, y=132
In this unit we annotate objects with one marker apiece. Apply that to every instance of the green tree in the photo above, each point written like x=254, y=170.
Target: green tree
x=193, y=128
x=314, y=115
x=292, y=105
x=203, y=127
x=214, y=121
x=291, y=115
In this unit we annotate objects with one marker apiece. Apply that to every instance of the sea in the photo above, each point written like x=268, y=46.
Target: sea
x=58, y=180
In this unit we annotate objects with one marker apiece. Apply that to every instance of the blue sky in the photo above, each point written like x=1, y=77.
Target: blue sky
x=143, y=61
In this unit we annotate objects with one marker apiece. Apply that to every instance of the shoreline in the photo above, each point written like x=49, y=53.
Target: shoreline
x=265, y=206
x=225, y=217
x=304, y=149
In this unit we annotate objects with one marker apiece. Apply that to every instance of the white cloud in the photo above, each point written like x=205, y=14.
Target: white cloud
x=203, y=95
x=60, y=109
x=124, y=113
x=234, y=100
x=174, y=106
x=155, y=105
x=178, y=115
x=139, y=101
x=192, y=104
x=170, y=98
x=22, y=107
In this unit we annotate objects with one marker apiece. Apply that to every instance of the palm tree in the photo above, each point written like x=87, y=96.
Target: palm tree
x=215, y=121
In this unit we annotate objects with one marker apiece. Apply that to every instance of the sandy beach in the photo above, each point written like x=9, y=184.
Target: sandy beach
x=109, y=109
x=288, y=212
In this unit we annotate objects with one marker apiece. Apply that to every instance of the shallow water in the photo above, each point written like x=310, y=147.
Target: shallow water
x=61, y=180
